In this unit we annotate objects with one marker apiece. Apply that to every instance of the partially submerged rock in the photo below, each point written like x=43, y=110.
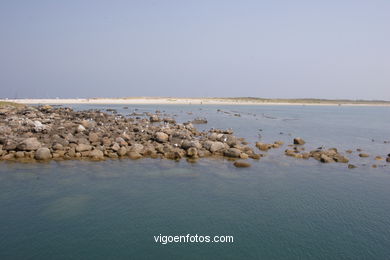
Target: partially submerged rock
x=241, y=164
x=299, y=141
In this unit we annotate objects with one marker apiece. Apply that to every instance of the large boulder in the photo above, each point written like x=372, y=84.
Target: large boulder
x=43, y=154
x=29, y=144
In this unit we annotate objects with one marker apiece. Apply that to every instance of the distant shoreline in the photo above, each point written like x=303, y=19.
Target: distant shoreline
x=204, y=101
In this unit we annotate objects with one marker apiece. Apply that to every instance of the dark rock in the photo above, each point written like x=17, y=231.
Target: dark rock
x=241, y=164
x=299, y=141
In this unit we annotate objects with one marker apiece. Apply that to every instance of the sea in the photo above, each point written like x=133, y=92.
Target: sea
x=279, y=208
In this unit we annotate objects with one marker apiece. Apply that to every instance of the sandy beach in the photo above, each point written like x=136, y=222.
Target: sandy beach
x=196, y=101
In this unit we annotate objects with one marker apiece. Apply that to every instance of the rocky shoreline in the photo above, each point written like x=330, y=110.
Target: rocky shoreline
x=43, y=133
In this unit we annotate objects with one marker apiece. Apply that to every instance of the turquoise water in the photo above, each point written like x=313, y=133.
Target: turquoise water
x=280, y=208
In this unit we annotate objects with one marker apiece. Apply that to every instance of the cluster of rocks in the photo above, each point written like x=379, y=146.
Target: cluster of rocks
x=323, y=155
x=265, y=147
x=331, y=155
x=45, y=132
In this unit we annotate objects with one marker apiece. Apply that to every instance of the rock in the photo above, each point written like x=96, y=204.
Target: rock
x=378, y=158
x=88, y=123
x=115, y=147
x=290, y=152
x=340, y=159
x=388, y=159
x=244, y=156
x=19, y=154
x=299, y=141
x=233, y=152
x=326, y=159
x=38, y=126
x=192, y=152
x=199, y=121
x=134, y=155
x=136, y=148
x=169, y=120
x=57, y=146
x=43, y=154
x=241, y=164
x=348, y=151
x=96, y=155
x=154, y=119
x=255, y=156
x=216, y=146
x=263, y=146
x=83, y=147
x=161, y=137
x=351, y=166
x=279, y=143
x=364, y=155
x=9, y=156
x=122, y=151
x=93, y=137
x=80, y=129
x=29, y=144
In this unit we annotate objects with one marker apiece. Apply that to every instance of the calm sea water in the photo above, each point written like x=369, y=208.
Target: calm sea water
x=280, y=208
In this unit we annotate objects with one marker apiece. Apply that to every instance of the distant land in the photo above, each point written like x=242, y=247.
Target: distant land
x=211, y=101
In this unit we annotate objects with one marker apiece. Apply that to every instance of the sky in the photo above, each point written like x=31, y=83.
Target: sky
x=249, y=48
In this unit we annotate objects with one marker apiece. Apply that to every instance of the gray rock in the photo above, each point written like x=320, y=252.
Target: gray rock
x=233, y=152
x=29, y=144
x=80, y=128
x=43, y=154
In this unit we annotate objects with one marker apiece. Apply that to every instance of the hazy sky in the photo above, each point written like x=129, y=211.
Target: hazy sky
x=288, y=49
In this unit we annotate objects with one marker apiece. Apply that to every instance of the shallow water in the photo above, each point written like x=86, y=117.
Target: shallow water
x=280, y=208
